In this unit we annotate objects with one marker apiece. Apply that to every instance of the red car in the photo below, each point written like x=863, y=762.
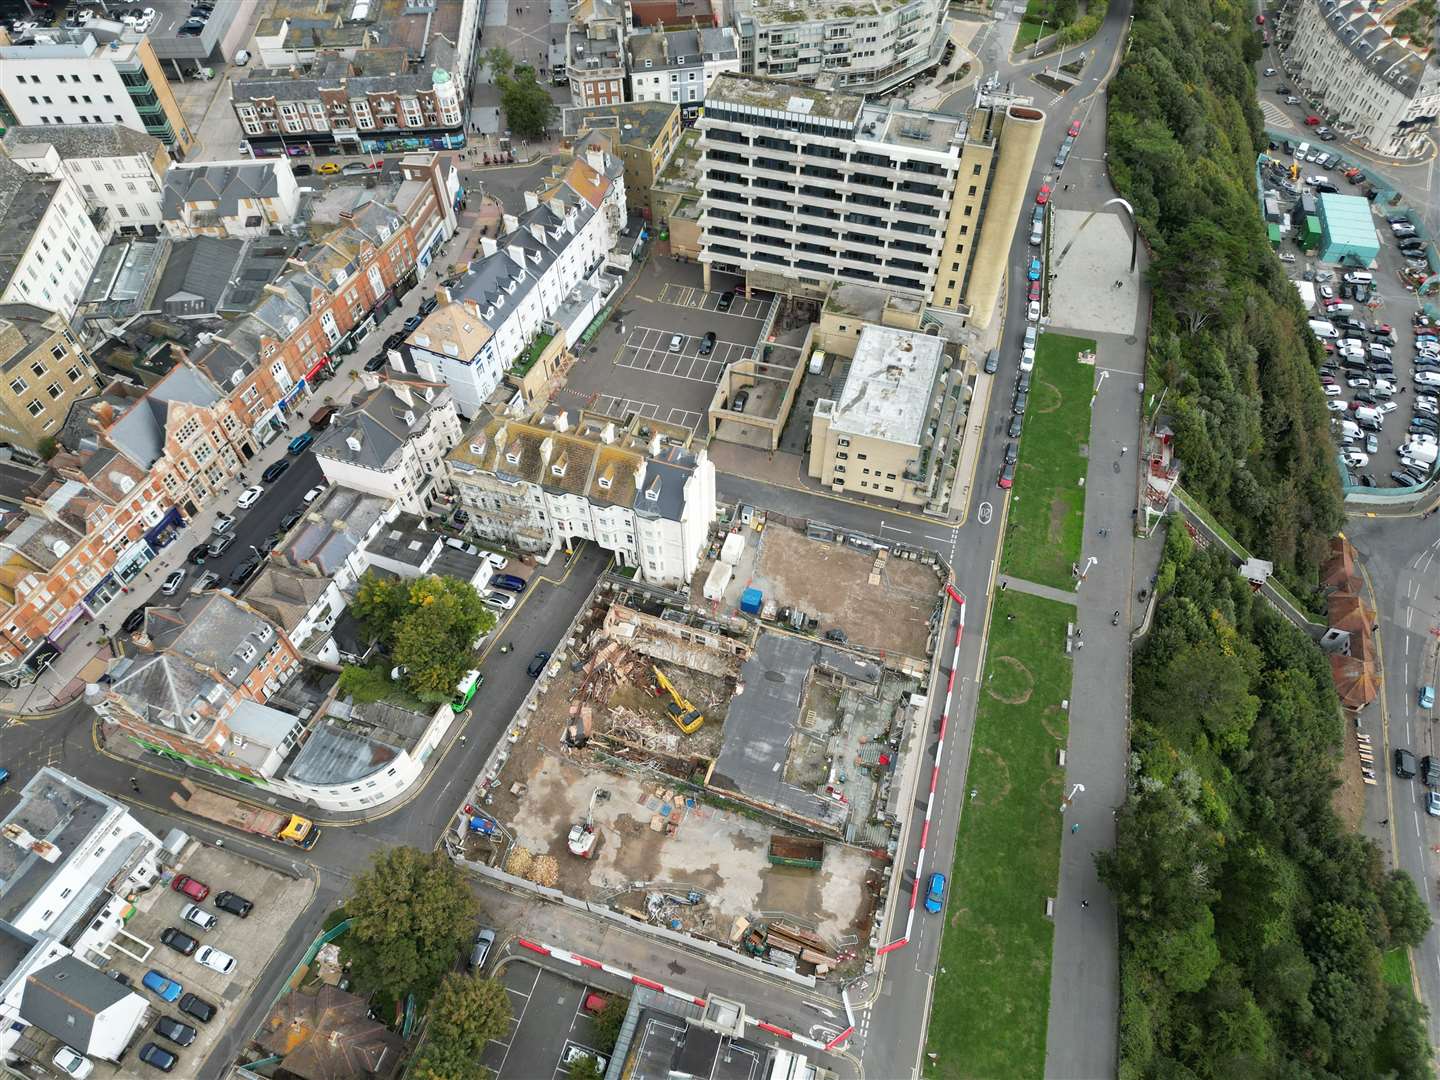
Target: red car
x=196, y=890
x=1384, y=328
x=1074, y=127
x=1043, y=195
x=1033, y=293
x=1312, y=120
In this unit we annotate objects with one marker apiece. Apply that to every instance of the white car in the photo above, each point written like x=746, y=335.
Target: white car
x=461, y=545
x=173, y=581
x=1429, y=408
x=249, y=497
x=1313, y=180
x=497, y=599
x=1427, y=378
x=1385, y=386
x=314, y=493
x=1335, y=405
x=72, y=1063
x=1287, y=256
x=574, y=1053
x=495, y=559
x=1385, y=408
x=198, y=916
x=1033, y=312
x=1356, y=460
x=1331, y=390
x=214, y=959
x=1027, y=359
x=1357, y=383
x=1327, y=293
x=1420, y=438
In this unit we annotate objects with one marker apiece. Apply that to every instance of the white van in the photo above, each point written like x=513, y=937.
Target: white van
x=1340, y=309
x=1360, y=277
x=1322, y=329
x=1366, y=413
x=1349, y=430
x=1301, y=151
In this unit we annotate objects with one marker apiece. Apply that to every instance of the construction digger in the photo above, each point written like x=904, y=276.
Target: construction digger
x=686, y=716
x=584, y=834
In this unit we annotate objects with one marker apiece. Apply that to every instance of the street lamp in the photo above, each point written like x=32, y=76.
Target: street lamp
x=1036, y=51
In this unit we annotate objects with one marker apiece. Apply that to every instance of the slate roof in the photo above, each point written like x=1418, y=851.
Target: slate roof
x=214, y=630
x=81, y=140
x=372, y=430
x=24, y=199
x=64, y=998
x=646, y=120
x=329, y=1035
x=285, y=594
x=356, y=741
x=197, y=274
x=225, y=185
x=333, y=527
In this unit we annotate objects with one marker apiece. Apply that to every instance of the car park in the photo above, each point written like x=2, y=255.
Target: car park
x=167, y=1027
x=233, y=904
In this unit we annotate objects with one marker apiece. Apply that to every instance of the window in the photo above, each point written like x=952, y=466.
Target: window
x=58, y=352
x=977, y=171
x=34, y=408
x=18, y=386
x=55, y=390
x=37, y=369
x=73, y=374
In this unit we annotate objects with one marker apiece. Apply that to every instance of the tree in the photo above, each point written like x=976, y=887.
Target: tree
x=499, y=61
x=586, y=1068
x=1405, y=913
x=433, y=640
x=380, y=603
x=608, y=1023
x=464, y=1015
x=47, y=446
x=529, y=111
x=411, y=914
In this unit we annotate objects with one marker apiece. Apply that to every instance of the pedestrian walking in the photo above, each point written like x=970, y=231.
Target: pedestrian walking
x=135, y=785
x=1084, y=903
x=1385, y=822
x=1074, y=828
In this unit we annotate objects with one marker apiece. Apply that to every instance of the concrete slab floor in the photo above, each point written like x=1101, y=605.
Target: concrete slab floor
x=1089, y=254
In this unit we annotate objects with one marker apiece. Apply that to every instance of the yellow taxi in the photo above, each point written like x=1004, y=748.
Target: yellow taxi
x=328, y=167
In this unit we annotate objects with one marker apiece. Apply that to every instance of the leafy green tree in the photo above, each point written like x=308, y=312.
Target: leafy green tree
x=499, y=61
x=1405, y=912
x=411, y=914
x=529, y=109
x=379, y=604
x=433, y=640
x=586, y=1068
x=464, y=1015
x=608, y=1023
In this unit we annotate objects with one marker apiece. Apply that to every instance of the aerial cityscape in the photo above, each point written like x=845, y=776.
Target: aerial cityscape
x=719, y=539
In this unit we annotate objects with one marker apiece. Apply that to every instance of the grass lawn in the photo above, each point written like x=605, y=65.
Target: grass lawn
x=989, y=1013
x=1395, y=967
x=1047, y=510
x=1028, y=34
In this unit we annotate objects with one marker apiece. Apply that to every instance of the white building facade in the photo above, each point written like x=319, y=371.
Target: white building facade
x=63, y=244
x=1368, y=85
x=115, y=167
x=678, y=66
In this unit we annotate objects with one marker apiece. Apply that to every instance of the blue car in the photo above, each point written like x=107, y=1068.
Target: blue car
x=935, y=894
x=1427, y=697
x=163, y=988
x=1034, y=273
x=300, y=442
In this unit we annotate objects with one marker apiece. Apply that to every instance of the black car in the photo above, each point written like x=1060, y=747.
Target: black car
x=537, y=665
x=376, y=362
x=198, y=554
x=836, y=635
x=707, y=344
x=233, y=903
x=289, y=521
x=429, y=305
x=241, y=573
x=1289, y=146
x=275, y=471
x=1404, y=479
x=1012, y=453
x=120, y=977
x=1404, y=764
x=394, y=340
x=197, y=1007
x=167, y=1027
x=1022, y=383
x=412, y=322
x=302, y=170
x=1022, y=399
x=134, y=620
x=157, y=1057
x=726, y=299
x=1016, y=424
x=178, y=940
x=992, y=361
x=1430, y=771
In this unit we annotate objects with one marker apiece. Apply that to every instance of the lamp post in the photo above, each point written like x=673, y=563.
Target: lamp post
x=1036, y=50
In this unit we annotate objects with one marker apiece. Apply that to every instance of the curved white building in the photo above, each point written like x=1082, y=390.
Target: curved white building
x=1368, y=85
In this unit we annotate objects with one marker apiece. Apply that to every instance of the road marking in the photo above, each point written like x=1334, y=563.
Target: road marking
x=892, y=528
x=986, y=511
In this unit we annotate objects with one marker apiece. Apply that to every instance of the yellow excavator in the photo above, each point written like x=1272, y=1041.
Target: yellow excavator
x=686, y=716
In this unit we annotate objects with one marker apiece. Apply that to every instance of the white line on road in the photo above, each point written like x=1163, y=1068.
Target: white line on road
x=892, y=528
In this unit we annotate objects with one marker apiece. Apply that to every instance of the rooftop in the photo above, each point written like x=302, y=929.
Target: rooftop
x=334, y=527
x=372, y=430
x=768, y=12
x=1348, y=220
x=660, y=50
x=80, y=140
x=1362, y=33
x=799, y=99
x=640, y=123
x=24, y=198
x=892, y=378
x=224, y=184
x=682, y=171
x=405, y=540
x=371, y=71
x=357, y=741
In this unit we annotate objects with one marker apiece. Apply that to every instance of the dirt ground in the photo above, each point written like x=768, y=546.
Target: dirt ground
x=1348, y=799
x=715, y=852
x=832, y=582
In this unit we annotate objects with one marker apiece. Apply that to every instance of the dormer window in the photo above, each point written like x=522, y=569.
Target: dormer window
x=247, y=652
x=513, y=457
x=558, y=469
x=604, y=483
x=652, y=493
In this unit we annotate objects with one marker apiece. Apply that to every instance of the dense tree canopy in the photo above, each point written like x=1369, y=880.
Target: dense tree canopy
x=464, y=1015
x=1252, y=921
x=427, y=625
x=1228, y=338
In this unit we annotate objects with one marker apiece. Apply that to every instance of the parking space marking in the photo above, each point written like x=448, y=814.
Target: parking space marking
x=648, y=349
x=686, y=296
x=516, y=1019
x=620, y=407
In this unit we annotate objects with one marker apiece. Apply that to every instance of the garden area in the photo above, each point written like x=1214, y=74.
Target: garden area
x=1045, y=523
x=989, y=1013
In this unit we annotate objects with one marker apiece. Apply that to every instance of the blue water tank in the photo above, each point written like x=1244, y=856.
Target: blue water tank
x=750, y=601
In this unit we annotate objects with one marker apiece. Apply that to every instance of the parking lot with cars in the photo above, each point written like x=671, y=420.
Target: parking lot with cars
x=194, y=953
x=636, y=364
x=552, y=1022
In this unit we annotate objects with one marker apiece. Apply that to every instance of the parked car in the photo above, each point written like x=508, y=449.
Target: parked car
x=707, y=343
x=134, y=620
x=496, y=599
x=508, y=581
x=727, y=299
x=222, y=545
x=72, y=1063
x=208, y=580
x=275, y=471
x=1426, y=697
x=198, y=554
x=300, y=443
x=223, y=524
x=157, y=1057
x=496, y=560
x=163, y=988
x=480, y=951
x=215, y=959
x=677, y=342
x=178, y=940
x=537, y=664
x=1033, y=273
x=250, y=496
x=196, y=890
x=197, y=1007
x=1043, y=195
x=173, y=580
x=241, y=573
x=167, y=1027
x=376, y=362
x=1405, y=766
x=195, y=914
x=290, y=520
x=1007, y=475
x=233, y=904
x=313, y=494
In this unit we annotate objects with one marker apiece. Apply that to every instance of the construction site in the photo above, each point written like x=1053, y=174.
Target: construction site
x=718, y=773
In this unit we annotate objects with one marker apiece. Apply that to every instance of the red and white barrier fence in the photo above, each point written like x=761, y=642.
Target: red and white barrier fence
x=575, y=959
x=959, y=598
